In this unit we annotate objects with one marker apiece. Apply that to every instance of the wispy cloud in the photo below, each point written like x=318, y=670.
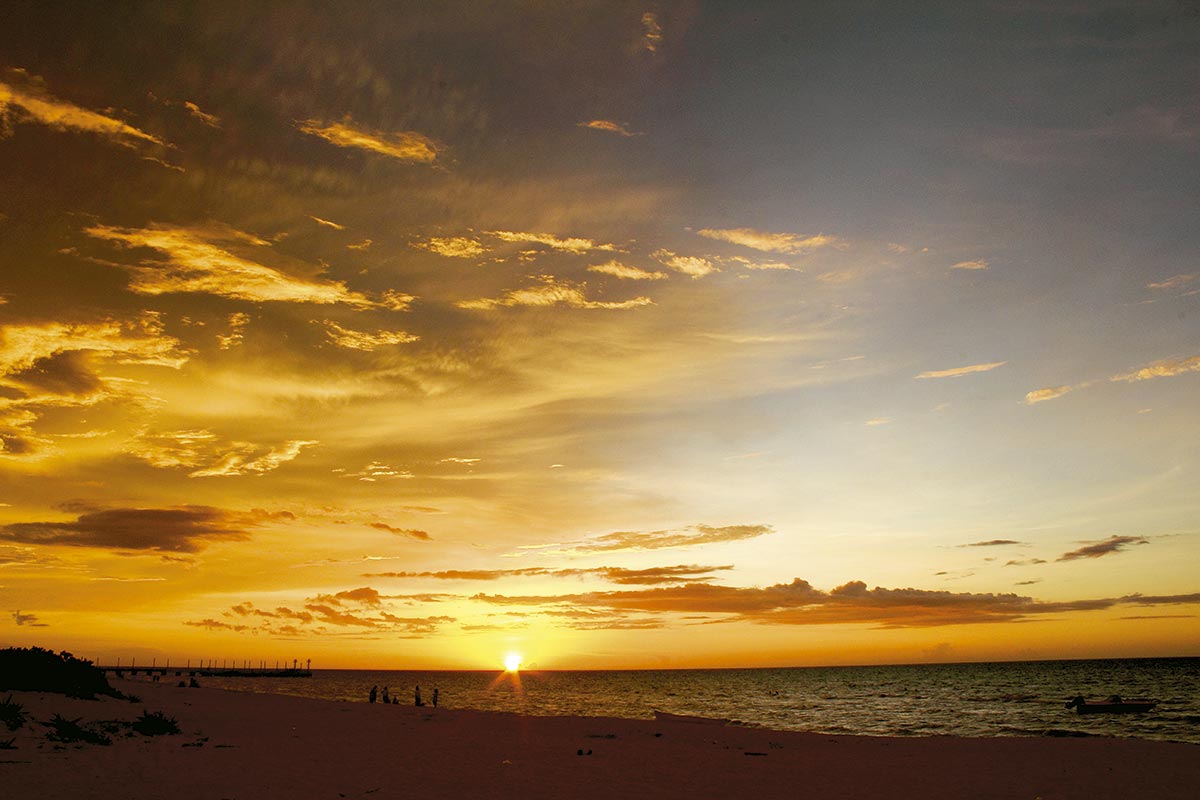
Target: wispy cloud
x=361, y=340
x=969, y=265
x=249, y=459
x=402, y=145
x=958, y=372
x=1049, y=393
x=210, y=120
x=1165, y=368
x=693, y=266
x=27, y=619
x=413, y=533
x=361, y=609
x=690, y=536
x=452, y=247
x=680, y=573
x=327, y=223
x=1174, y=282
x=652, y=32
x=1103, y=547
x=991, y=543
x=551, y=292
x=202, y=261
x=570, y=244
x=139, y=340
x=607, y=125
x=207, y=455
x=626, y=272
x=878, y=421
x=33, y=104
x=237, y=328
x=770, y=242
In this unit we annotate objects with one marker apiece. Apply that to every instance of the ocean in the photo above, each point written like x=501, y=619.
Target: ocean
x=984, y=699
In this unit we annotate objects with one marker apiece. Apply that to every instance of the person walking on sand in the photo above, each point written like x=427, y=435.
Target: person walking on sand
x=371, y=695
x=385, y=696
x=435, y=697
x=417, y=697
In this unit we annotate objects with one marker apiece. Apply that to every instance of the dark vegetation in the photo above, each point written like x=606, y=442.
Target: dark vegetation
x=155, y=724
x=35, y=669
x=69, y=731
x=12, y=715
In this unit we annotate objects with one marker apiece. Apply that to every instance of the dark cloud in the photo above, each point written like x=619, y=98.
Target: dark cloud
x=1024, y=563
x=28, y=619
x=62, y=373
x=991, y=543
x=681, y=573
x=413, y=532
x=365, y=596
x=183, y=529
x=798, y=603
x=1104, y=547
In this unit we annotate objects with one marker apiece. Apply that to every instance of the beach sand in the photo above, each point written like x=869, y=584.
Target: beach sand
x=245, y=746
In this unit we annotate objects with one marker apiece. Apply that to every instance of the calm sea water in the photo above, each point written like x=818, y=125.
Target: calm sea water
x=999, y=699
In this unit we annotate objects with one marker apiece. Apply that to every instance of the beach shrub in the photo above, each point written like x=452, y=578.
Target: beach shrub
x=12, y=714
x=155, y=724
x=69, y=730
x=35, y=669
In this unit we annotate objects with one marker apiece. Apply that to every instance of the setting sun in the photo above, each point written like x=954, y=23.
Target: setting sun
x=512, y=662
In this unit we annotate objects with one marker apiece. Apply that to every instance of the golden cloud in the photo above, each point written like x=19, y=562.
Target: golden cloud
x=1165, y=368
x=626, y=272
x=551, y=292
x=770, y=242
x=210, y=120
x=651, y=32
x=1174, y=282
x=452, y=247
x=404, y=145
x=977, y=264
x=689, y=536
x=570, y=244
x=194, y=263
x=207, y=456
x=958, y=372
x=360, y=340
x=140, y=340
x=327, y=223
x=1049, y=393
x=695, y=266
x=608, y=126
x=35, y=106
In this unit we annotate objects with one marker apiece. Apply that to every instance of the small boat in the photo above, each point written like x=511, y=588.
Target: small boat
x=1114, y=705
x=663, y=716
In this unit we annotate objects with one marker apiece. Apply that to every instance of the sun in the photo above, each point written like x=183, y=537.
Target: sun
x=512, y=662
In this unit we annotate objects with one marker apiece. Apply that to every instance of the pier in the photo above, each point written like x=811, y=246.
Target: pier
x=211, y=668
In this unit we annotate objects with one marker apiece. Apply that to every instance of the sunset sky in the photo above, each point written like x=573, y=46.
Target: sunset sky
x=407, y=335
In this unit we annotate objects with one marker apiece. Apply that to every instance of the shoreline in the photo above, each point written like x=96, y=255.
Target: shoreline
x=247, y=744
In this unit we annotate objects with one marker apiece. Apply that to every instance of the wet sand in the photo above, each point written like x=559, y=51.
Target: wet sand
x=244, y=746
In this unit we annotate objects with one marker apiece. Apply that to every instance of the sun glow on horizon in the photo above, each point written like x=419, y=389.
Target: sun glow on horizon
x=512, y=662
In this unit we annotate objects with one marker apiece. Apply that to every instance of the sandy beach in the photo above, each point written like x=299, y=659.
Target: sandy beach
x=241, y=746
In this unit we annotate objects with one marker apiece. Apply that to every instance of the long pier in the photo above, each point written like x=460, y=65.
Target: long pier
x=210, y=668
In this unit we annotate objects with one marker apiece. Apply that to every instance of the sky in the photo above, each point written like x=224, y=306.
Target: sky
x=614, y=335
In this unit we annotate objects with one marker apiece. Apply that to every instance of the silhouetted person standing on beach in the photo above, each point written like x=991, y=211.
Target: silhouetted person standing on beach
x=385, y=696
x=435, y=697
x=371, y=696
x=417, y=697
